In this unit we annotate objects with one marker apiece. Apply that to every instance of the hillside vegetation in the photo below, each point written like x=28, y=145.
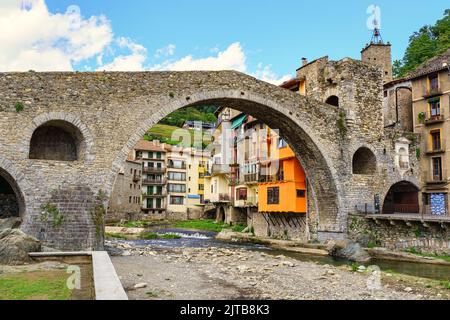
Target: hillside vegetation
x=424, y=44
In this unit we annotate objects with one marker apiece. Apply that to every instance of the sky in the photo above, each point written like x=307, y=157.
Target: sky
x=264, y=38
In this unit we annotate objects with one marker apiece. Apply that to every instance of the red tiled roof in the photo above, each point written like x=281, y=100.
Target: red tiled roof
x=433, y=65
x=148, y=146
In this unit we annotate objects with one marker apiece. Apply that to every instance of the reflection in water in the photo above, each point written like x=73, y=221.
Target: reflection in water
x=205, y=239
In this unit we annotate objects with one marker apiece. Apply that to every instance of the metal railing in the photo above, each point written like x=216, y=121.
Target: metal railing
x=154, y=181
x=437, y=147
x=154, y=169
x=430, y=119
x=155, y=195
x=250, y=177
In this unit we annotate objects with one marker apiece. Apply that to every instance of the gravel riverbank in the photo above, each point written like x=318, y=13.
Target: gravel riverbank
x=223, y=273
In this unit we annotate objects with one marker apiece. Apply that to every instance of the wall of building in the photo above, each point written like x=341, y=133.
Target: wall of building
x=126, y=195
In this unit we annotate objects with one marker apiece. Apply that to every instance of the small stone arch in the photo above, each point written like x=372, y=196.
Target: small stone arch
x=58, y=137
x=364, y=162
x=402, y=197
x=333, y=100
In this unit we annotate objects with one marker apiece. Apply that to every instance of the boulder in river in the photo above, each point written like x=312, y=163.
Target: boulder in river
x=350, y=250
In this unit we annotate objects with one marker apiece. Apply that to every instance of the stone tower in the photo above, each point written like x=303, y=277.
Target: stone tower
x=378, y=53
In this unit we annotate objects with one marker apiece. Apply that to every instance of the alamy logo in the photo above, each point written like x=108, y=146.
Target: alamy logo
x=374, y=20
x=74, y=280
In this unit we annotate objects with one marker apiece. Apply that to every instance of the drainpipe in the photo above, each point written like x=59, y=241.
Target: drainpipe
x=396, y=100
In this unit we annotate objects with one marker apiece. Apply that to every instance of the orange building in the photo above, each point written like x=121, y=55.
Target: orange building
x=283, y=186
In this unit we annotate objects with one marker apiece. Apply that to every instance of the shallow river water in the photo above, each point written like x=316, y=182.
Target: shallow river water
x=205, y=239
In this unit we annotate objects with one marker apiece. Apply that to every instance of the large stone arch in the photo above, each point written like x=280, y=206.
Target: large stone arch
x=313, y=155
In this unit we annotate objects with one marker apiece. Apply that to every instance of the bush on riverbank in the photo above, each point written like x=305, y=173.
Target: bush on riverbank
x=153, y=235
x=208, y=225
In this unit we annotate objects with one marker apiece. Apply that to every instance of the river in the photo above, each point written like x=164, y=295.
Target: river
x=205, y=239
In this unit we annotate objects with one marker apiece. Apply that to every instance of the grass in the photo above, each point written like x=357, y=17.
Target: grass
x=163, y=132
x=135, y=224
x=36, y=285
x=207, y=225
x=115, y=235
x=445, y=284
x=419, y=253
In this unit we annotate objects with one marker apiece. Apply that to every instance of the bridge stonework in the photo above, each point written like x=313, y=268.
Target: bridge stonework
x=112, y=111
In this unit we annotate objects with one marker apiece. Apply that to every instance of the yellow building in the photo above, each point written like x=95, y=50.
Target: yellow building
x=431, y=105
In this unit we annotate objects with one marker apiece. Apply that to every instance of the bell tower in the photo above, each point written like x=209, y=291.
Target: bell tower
x=378, y=53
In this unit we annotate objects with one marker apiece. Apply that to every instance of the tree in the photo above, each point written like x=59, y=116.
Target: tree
x=425, y=44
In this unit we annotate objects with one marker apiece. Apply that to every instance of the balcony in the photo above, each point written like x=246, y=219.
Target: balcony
x=155, y=195
x=157, y=182
x=432, y=92
x=220, y=169
x=245, y=203
x=222, y=197
x=435, y=148
x=251, y=178
x=149, y=158
x=154, y=170
x=136, y=177
x=172, y=166
x=433, y=119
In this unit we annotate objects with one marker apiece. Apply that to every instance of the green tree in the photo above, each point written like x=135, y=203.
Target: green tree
x=425, y=44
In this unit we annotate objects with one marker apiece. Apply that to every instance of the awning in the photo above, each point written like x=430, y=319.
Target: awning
x=238, y=121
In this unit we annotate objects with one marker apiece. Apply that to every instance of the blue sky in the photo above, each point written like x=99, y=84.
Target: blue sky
x=272, y=35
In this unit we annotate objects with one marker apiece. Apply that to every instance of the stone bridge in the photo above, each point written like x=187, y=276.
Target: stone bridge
x=61, y=197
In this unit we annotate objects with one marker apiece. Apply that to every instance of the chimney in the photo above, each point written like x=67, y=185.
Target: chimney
x=304, y=62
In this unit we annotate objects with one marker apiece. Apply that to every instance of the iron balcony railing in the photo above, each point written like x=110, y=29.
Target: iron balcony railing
x=155, y=195
x=173, y=166
x=154, y=169
x=250, y=177
x=432, y=119
x=153, y=208
x=154, y=181
x=220, y=169
x=432, y=92
x=136, y=177
x=435, y=147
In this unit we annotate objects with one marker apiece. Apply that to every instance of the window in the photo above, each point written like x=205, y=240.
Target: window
x=201, y=187
x=434, y=83
x=176, y=200
x=201, y=175
x=436, y=140
x=333, y=100
x=241, y=193
x=273, y=195
x=435, y=108
x=129, y=200
x=158, y=155
x=177, y=176
x=385, y=93
x=180, y=188
x=177, y=164
x=437, y=169
x=301, y=193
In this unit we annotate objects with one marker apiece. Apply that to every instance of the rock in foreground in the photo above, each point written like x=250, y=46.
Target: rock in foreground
x=15, y=246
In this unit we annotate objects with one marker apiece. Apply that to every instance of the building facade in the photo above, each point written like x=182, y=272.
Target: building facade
x=126, y=195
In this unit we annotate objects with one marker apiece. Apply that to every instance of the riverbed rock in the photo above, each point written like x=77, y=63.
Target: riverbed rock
x=15, y=246
x=10, y=223
x=140, y=285
x=350, y=250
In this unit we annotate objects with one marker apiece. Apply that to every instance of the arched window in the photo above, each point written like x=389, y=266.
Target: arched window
x=333, y=100
x=364, y=162
x=57, y=140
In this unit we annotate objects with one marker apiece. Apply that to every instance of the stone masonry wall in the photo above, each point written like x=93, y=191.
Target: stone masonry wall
x=432, y=239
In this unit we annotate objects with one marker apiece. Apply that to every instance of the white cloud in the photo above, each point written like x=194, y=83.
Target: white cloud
x=132, y=62
x=232, y=58
x=167, y=51
x=265, y=73
x=31, y=37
